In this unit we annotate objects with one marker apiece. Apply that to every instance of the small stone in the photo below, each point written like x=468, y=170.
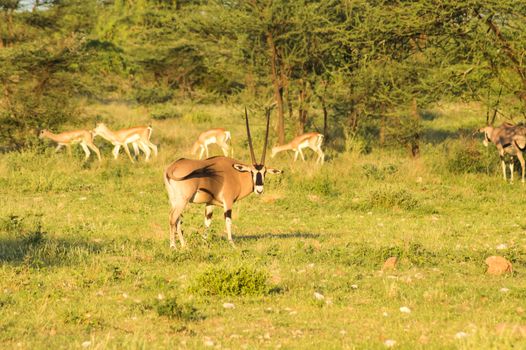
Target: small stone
x=318, y=296
x=405, y=310
x=461, y=335
x=229, y=306
x=86, y=344
x=354, y=286
x=390, y=264
x=502, y=246
x=497, y=265
x=504, y=290
x=160, y=296
x=390, y=343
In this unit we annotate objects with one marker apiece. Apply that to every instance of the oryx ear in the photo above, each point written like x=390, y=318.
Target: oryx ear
x=242, y=168
x=274, y=171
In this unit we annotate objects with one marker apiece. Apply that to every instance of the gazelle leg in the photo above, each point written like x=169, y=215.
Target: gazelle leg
x=206, y=148
x=145, y=149
x=224, y=148
x=94, y=149
x=127, y=150
x=301, y=154
x=58, y=148
x=135, y=149
x=321, y=155
x=201, y=153
x=68, y=147
x=503, y=164
x=228, y=224
x=511, y=170
x=153, y=147
x=115, y=151
x=296, y=155
x=86, y=150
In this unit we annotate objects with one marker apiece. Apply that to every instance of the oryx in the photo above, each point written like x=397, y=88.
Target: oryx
x=510, y=139
x=219, y=181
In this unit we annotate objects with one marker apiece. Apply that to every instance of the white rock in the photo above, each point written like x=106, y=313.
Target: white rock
x=390, y=343
x=229, y=306
x=461, y=335
x=354, y=286
x=86, y=344
x=502, y=246
x=405, y=310
x=504, y=290
x=318, y=296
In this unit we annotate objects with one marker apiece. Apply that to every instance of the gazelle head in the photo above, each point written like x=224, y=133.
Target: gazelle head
x=258, y=170
x=99, y=128
x=43, y=133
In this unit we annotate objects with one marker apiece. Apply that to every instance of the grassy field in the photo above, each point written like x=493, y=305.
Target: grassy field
x=85, y=258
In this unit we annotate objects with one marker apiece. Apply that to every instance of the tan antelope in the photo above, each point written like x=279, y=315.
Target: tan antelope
x=216, y=181
x=68, y=138
x=312, y=140
x=138, y=136
x=219, y=136
x=510, y=139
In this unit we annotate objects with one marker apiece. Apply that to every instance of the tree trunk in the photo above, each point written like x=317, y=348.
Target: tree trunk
x=302, y=108
x=278, y=87
x=415, y=147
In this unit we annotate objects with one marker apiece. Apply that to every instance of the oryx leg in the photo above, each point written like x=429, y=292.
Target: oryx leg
x=127, y=150
x=115, y=151
x=86, y=150
x=209, y=211
x=521, y=160
x=228, y=223
x=503, y=164
x=94, y=149
x=175, y=224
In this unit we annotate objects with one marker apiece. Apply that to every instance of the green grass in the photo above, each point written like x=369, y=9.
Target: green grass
x=84, y=252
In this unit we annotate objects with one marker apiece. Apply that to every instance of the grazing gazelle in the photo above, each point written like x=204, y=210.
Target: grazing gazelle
x=509, y=139
x=312, y=140
x=219, y=136
x=138, y=136
x=219, y=181
x=68, y=138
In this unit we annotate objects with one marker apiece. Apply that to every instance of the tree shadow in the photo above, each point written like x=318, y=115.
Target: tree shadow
x=278, y=236
x=40, y=251
x=437, y=136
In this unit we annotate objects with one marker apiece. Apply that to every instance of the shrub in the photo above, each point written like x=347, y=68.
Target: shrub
x=389, y=199
x=232, y=282
x=172, y=309
x=466, y=156
x=164, y=112
x=374, y=172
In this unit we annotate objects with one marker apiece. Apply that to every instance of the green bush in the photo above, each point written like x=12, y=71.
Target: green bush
x=232, y=282
x=153, y=95
x=374, y=172
x=466, y=156
x=172, y=309
x=392, y=198
x=165, y=112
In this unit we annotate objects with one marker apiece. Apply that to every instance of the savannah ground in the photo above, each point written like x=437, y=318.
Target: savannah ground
x=85, y=258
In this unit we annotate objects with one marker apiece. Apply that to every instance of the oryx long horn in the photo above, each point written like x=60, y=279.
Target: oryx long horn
x=266, y=137
x=249, y=139
x=496, y=107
